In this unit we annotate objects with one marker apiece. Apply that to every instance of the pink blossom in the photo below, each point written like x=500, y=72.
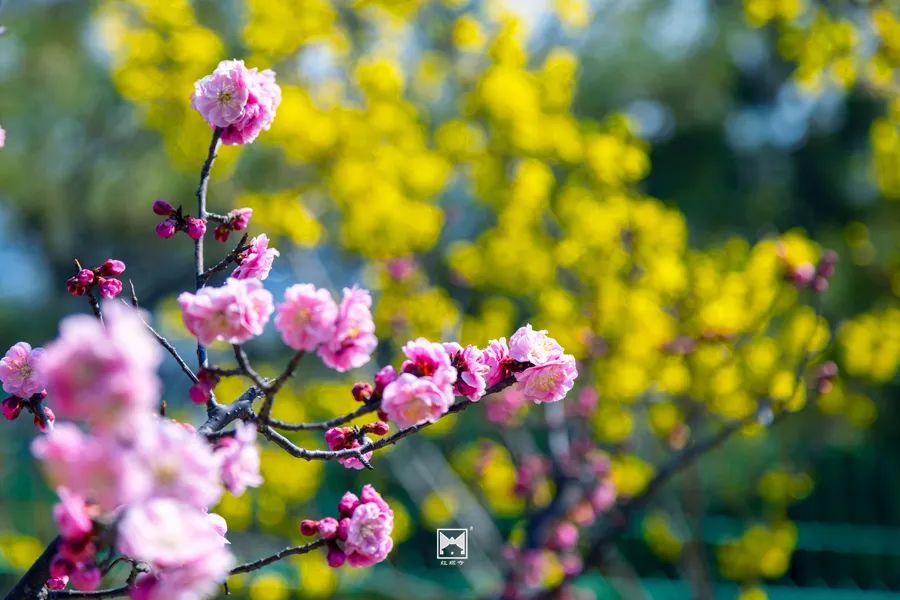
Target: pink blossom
x=411, y=400
x=259, y=111
x=112, y=268
x=564, y=536
x=2, y=137
x=496, y=359
x=383, y=378
x=369, y=494
x=109, y=287
x=328, y=527
x=240, y=460
x=105, y=375
x=470, y=367
x=369, y=534
x=533, y=346
x=73, y=519
x=504, y=408
x=354, y=339
x=195, y=580
x=86, y=577
x=240, y=218
x=256, y=261
x=168, y=534
x=234, y=313
x=429, y=359
x=97, y=469
x=307, y=317
x=549, y=381
x=603, y=496
x=221, y=96
x=342, y=438
x=180, y=464
x=18, y=373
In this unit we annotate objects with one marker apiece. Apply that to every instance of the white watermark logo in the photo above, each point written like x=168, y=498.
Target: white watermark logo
x=452, y=546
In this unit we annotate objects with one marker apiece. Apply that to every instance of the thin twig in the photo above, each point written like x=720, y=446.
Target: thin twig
x=231, y=257
x=323, y=425
x=201, y=214
x=107, y=593
x=291, y=551
x=276, y=385
x=244, y=364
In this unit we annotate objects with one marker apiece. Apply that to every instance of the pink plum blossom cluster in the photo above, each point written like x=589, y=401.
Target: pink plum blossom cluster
x=557, y=545
x=175, y=220
x=22, y=379
x=241, y=102
x=434, y=373
x=150, y=479
x=361, y=536
x=343, y=438
x=102, y=278
x=236, y=220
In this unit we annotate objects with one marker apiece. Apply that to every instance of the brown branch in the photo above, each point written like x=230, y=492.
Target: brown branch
x=231, y=257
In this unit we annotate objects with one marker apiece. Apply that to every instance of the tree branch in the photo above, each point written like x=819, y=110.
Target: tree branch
x=290, y=551
x=199, y=281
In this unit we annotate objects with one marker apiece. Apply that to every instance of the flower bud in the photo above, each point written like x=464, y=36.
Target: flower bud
x=166, y=229
x=196, y=228
x=85, y=277
x=12, y=407
x=86, y=577
x=377, y=428
x=343, y=529
x=826, y=265
x=61, y=567
x=45, y=424
x=309, y=527
x=383, y=378
x=109, y=288
x=337, y=437
x=335, y=556
x=75, y=288
x=362, y=392
x=112, y=268
x=328, y=527
x=198, y=394
x=163, y=208
x=349, y=502
x=57, y=583
x=240, y=218
x=221, y=233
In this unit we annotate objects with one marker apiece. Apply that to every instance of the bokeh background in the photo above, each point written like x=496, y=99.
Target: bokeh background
x=616, y=171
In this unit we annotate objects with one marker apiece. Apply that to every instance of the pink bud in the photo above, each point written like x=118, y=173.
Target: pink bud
x=60, y=567
x=221, y=233
x=163, y=208
x=820, y=284
x=57, y=583
x=827, y=263
x=166, y=229
x=240, y=218
x=362, y=392
x=86, y=577
x=85, y=277
x=328, y=527
x=378, y=428
x=803, y=275
x=564, y=537
x=198, y=393
x=75, y=288
x=109, y=288
x=196, y=228
x=12, y=407
x=348, y=504
x=112, y=268
x=384, y=377
x=309, y=527
x=336, y=438
x=343, y=528
x=47, y=424
x=336, y=556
